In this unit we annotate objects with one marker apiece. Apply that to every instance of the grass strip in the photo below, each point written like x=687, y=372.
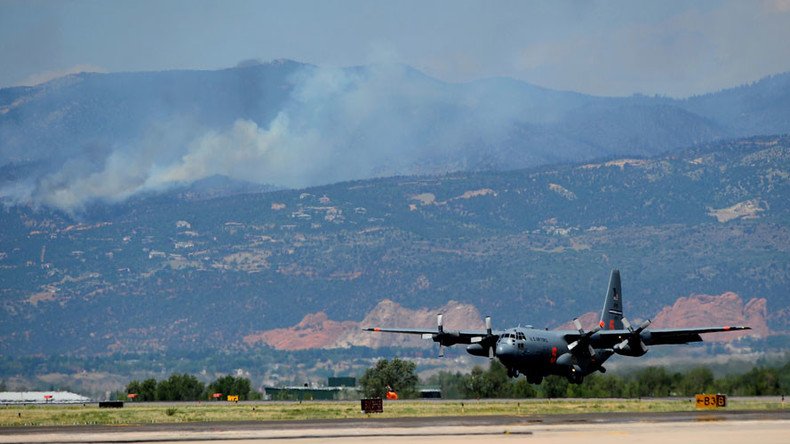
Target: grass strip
x=142, y=413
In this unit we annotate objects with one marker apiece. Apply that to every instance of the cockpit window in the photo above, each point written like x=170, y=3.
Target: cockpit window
x=507, y=336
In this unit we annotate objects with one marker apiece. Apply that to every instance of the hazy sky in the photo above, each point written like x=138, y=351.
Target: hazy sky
x=676, y=48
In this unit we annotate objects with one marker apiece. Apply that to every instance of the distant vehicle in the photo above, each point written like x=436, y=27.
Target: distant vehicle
x=571, y=353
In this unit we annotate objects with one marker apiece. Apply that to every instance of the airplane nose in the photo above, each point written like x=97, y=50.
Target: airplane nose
x=505, y=351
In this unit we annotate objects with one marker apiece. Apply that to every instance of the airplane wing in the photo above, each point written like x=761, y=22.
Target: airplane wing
x=657, y=336
x=683, y=335
x=485, y=339
x=454, y=336
x=488, y=337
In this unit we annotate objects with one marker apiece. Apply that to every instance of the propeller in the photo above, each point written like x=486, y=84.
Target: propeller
x=584, y=338
x=633, y=344
x=444, y=338
x=484, y=345
x=440, y=329
x=489, y=336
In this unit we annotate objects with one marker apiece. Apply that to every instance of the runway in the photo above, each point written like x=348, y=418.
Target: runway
x=765, y=427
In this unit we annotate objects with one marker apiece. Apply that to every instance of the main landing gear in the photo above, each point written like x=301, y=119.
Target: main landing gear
x=575, y=377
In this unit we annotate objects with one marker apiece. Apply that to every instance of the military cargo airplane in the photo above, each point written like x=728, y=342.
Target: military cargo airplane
x=571, y=353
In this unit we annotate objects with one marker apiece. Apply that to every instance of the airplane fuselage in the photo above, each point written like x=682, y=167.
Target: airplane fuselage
x=537, y=353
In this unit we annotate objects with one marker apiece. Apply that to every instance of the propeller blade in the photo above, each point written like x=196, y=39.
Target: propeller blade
x=441, y=350
x=643, y=326
x=490, y=352
x=627, y=324
x=488, y=325
x=578, y=324
x=573, y=345
x=439, y=322
x=621, y=345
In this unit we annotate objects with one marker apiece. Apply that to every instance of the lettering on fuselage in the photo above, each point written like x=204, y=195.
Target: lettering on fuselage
x=538, y=339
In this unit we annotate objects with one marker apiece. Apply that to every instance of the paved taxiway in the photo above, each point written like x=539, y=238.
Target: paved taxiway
x=651, y=428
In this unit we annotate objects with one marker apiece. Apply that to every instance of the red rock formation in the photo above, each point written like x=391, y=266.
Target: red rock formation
x=707, y=310
x=390, y=314
x=317, y=331
x=589, y=321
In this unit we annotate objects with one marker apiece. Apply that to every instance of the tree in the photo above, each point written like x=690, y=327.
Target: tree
x=554, y=387
x=523, y=389
x=133, y=387
x=759, y=381
x=451, y=384
x=180, y=387
x=696, y=380
x=229, y=385
x=146, y=390
x=654, y=381
x=493, y=383
x=398, y=374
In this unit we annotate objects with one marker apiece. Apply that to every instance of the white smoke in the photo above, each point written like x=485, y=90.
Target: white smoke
x=246, y=152
x=337, y=124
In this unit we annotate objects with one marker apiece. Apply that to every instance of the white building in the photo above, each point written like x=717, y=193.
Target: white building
x=52, y=397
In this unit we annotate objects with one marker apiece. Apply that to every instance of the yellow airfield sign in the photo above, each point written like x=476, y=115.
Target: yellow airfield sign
x=705, y=401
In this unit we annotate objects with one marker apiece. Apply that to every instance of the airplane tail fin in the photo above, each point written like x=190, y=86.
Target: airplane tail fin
x=612, y=314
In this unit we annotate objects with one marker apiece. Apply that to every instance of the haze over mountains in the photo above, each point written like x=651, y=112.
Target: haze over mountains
x=105, y=137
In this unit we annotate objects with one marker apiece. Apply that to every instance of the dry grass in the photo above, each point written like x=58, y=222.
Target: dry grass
x=271, y=411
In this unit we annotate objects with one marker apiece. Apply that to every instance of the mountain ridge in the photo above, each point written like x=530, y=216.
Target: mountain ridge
x=169, y=273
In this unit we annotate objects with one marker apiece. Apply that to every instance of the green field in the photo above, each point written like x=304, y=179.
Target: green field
x=142, y=413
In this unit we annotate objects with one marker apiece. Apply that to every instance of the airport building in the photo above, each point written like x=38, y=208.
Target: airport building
x=53, y=397
x=338, y=387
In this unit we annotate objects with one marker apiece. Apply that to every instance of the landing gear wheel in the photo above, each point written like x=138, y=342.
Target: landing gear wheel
x=512, y=372
x=575, y=377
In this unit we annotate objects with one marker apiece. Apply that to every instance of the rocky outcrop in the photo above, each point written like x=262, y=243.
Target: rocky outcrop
x=588, y=320
x=707, y=310
x=390, y=314
x=316, y=330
